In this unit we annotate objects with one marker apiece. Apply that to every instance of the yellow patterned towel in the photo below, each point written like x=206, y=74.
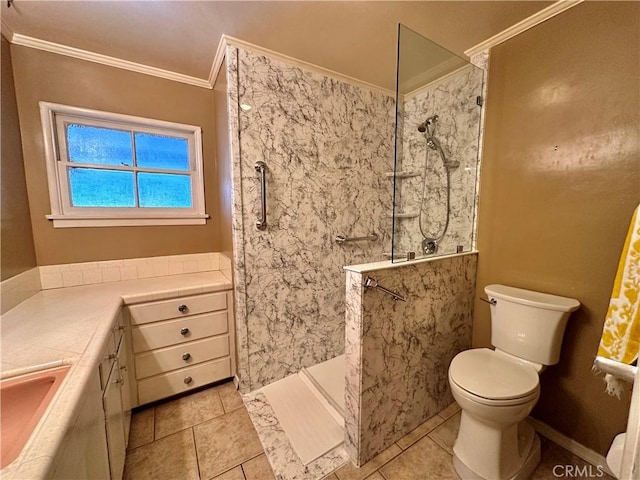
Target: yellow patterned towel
x=621, y=333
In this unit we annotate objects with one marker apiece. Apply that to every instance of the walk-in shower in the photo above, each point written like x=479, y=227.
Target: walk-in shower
x=430, y=242
x=290, y=228
x=436, y=150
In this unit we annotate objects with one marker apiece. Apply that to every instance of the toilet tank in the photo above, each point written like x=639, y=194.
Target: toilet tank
x=528, y=324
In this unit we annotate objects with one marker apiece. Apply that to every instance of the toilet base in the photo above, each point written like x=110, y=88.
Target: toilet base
x=524, y=472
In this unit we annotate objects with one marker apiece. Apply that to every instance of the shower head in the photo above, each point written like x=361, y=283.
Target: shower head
x=428, y=125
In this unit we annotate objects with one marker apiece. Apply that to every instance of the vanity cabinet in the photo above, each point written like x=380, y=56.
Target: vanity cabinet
x=84, y=452
x=180, y=344
x=116, y=398
x=96, y=444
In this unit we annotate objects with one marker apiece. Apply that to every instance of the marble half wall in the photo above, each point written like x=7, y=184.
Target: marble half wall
x=398, y=353
x=327, y=145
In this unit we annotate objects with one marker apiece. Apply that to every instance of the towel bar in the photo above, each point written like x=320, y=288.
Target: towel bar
x=372, y=283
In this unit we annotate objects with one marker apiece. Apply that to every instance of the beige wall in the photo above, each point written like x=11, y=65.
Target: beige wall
x=17, y=252
x=560, y=179
x=55, y=78
x=223, y=153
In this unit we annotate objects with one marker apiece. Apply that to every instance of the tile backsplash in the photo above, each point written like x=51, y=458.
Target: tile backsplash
x=87, y=273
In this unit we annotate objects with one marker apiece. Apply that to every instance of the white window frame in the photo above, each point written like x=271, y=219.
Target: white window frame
x=64, y=214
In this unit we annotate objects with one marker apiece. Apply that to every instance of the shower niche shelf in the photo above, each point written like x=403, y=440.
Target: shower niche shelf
x=402, y=174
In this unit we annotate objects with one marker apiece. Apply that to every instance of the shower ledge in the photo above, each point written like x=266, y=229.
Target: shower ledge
x=402, y=215
x=387, y=264
x=402, y=174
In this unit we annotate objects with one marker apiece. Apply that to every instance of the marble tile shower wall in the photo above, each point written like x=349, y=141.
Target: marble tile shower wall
x=327, y=145
x=398, y=353
x=454, y=101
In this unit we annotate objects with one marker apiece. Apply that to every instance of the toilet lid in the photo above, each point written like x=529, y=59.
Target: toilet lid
x=488, y=375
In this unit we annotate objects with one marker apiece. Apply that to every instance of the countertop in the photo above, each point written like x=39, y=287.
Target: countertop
x=71, y=326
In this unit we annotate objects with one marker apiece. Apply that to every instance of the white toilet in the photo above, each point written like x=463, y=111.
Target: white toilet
x=497, y=389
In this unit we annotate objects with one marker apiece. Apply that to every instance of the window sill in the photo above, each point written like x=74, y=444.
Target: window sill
x=66, y=221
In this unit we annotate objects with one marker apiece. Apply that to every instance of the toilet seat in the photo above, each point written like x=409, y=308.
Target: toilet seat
x=493, y=379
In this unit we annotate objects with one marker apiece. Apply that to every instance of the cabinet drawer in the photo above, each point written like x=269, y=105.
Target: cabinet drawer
x=180, y=330
x=168, y=384
x=177, y=307
x=172, y=358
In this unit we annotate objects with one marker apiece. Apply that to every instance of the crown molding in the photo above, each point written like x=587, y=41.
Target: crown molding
x=524, y=25
x=218, y=60
x=228, y=41
x=25, y=41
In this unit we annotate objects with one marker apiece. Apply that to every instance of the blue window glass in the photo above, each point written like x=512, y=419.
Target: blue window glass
x=158, y=151
x=92, y=187
x=163, y=190
x=102, y=146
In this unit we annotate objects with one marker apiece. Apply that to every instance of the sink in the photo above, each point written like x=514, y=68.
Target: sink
x=23, y=401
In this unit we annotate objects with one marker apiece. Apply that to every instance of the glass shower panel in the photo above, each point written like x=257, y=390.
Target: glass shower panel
x=436, y=149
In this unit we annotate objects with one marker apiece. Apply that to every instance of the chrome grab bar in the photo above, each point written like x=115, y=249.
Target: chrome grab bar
x=261, y=223
x=340, y=239
x=372, y=283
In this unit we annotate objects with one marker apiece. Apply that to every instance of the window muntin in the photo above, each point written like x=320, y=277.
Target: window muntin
x=110, y=166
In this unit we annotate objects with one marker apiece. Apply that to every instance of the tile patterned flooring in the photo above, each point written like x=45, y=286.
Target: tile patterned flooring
x=208, y=435
x=205, y=435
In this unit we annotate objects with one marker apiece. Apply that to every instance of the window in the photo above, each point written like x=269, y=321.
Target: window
x=107, y=169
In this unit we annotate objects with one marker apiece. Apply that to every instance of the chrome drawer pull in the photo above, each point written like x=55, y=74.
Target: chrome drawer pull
x=184, y=331
x=183, y=308
x=186, y=356
x=188, y=380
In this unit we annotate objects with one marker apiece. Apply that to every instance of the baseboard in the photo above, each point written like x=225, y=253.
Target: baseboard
x=571, y=445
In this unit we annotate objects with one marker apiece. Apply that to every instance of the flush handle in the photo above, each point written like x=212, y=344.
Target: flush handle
x=491, y=301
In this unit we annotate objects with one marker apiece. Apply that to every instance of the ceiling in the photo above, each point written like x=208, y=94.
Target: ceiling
x=357, y=39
